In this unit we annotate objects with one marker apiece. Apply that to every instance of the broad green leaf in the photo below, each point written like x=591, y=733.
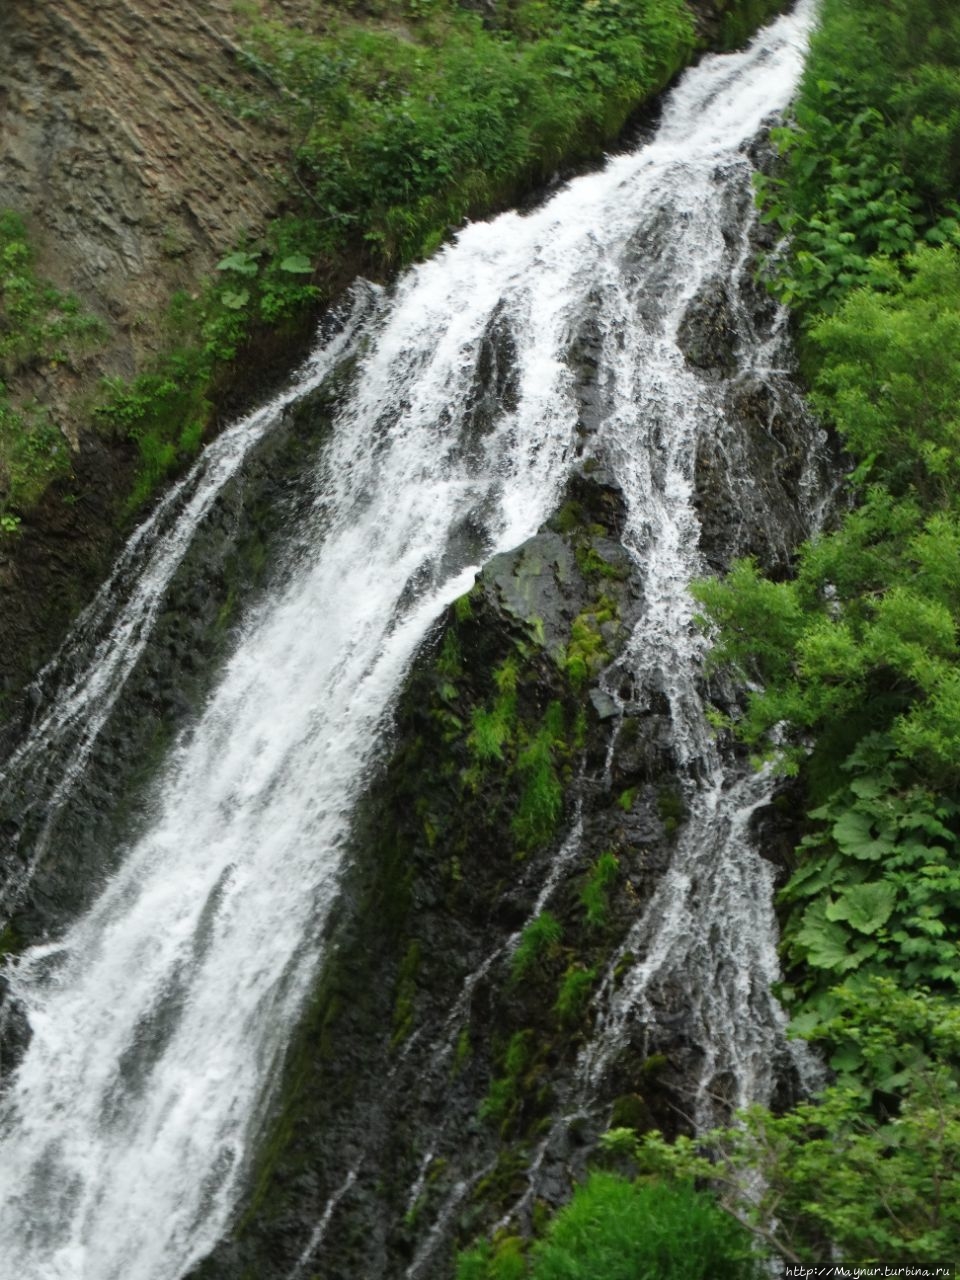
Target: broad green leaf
x=865, y=906
x=866, y=951
x=825, y=942
x=297, y=264
x=244, y=263
x=805, y=1024
x=847, y=1058
x=811, y=878
x=853, y=832
x=235, y=300
x=869, y=787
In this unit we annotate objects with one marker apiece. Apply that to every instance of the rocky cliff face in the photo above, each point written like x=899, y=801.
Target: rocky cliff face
x=442, y=1081
x=520, y=819
x=131, y=177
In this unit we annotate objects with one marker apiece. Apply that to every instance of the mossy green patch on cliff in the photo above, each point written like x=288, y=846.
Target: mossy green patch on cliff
x=41, y=328
x=595, y=894
x=406, y=992
x=538, y=942
x=588, y=650
x=505, y=1091
x=574, y=993
x=541, y=797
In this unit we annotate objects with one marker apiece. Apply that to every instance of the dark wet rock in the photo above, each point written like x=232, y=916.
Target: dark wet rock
x=774, y=828
x=495, y=388
x=708, y=335
x=396, y=1110
x=755, y=474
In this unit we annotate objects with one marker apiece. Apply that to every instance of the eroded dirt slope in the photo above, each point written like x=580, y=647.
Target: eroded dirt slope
x=131, y=176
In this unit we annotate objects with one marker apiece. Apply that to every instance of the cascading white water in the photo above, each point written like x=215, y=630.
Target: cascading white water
x=709, y=931
x=158, y=1020
x=108, y=638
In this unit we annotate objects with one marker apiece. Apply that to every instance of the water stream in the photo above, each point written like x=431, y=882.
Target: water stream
x=158, y=1020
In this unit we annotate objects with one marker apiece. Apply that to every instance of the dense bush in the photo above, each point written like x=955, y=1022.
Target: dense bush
x=615, y=1229
x=396, y=138
x=857, y=655
x=871, y=1169
x=873, y=150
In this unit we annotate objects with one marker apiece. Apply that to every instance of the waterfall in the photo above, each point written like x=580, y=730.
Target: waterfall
x=90, y=671
x=158, y=1020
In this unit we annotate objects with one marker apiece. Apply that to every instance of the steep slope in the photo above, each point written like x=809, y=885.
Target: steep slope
x=141, y=143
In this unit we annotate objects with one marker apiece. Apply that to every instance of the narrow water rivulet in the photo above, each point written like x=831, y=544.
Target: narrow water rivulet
x=159, y=1019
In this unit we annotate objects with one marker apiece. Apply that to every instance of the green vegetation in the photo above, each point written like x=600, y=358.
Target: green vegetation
x=872, y=1166
x=574, y=994
x=857, y=654
x=539, y=940
x=495, y=726
x=595, y=894
x=872, y=160
x=504, y=1095
x=592, y=564
x=166, y=409
x=587, y=652
x=541, y=797
x=499, y=735
x=40, y=329
x=616, y=1229
x=405, y=128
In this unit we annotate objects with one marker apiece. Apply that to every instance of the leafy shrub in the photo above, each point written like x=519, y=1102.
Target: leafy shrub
x=857, y=655
x=614, y=1229
x=398, y=138
x=872, y=1166
x=878, y=886
x=873, y=151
